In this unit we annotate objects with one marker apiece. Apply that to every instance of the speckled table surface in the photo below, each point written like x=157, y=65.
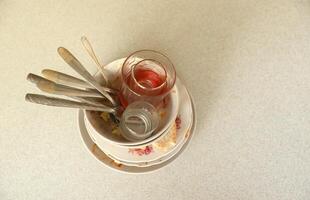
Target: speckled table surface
x=246, y=64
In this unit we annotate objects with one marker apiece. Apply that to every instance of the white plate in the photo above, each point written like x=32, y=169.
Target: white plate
x=107, y=161
x=149, y=153
x=103, y=130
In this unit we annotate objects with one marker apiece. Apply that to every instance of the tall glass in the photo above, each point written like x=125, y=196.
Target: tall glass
x=147, y=75
x=139, y=121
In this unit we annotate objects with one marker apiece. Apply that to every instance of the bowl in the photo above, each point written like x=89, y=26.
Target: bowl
x=106, y=129
x=148, y=153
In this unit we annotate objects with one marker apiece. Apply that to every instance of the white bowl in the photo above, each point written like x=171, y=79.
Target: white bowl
x=152, y=152
x=106, y=130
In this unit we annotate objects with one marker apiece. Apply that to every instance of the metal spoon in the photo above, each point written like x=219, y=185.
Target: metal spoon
x=88, y=47
x=92, y=100
x=65, y=79
x=78, y=67
x=54, y=88
x=58, y=102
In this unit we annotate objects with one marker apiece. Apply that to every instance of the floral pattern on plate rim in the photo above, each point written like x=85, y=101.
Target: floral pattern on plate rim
x=141, y=151
x=149, y=149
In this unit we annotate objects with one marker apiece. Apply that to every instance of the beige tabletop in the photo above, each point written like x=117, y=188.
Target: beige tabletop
x=245, y=62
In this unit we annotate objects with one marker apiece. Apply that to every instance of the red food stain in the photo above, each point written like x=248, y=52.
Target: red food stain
x=178, y=122
x=141, y=151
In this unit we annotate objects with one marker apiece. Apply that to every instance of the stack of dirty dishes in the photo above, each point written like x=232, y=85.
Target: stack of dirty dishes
x=158, y=114
x=135, y=114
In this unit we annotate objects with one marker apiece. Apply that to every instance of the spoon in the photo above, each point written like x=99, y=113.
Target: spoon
x=88, y=47
x=79, y=68
x=92, y=100
x=48, y=86
x=58, y=102
x=65, y=79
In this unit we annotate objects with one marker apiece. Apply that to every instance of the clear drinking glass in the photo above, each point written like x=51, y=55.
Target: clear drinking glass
x=139, y=121
x=146, y=75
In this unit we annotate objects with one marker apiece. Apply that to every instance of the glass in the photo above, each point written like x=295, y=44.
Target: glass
x=146, y=75
x=139, y=121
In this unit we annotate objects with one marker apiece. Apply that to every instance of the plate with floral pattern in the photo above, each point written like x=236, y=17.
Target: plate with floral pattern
x=107, y=161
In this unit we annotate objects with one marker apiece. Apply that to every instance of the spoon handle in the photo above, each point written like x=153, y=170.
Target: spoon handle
x=58, y=102
x=65, y=79
x=53, y=88
x=78, y=67
x=91, y=100
x=88, y=47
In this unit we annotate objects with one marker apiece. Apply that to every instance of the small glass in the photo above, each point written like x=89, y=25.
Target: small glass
x=146, y=75
x=139, y=121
